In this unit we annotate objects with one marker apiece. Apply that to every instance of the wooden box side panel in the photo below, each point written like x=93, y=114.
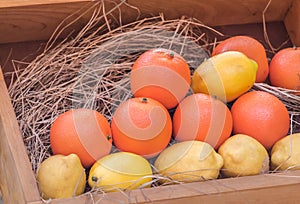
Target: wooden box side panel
x=17, y=181
x=37, y=22
x=217, y=12
x=292, y=22
x=260, y=189
x=23, y=22
x=19, y=3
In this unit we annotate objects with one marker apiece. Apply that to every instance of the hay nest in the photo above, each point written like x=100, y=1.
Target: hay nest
x=91, y=70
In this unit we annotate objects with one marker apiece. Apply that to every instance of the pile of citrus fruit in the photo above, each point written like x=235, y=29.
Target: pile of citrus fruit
x=193, y=126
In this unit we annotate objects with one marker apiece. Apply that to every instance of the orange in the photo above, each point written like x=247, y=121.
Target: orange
x=160, y=74
x=285, y=69
x=262, y=116
x=252, y=48
x=204, y=118
x=83, y=132
x=142, y=126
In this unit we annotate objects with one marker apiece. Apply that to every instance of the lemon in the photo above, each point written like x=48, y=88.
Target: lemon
x=61, y=176
x=226, y=76
x=243, y=156
x=121, y=170
x=189, y=161
x=285, y=153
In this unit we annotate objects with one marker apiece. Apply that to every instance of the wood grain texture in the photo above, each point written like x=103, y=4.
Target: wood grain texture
x=29, y=23
x=22, y=21
x=217, y=12
x=261, y=189
x=17, y=182
x=292, y=22
x=39, y=21
x=18, y=3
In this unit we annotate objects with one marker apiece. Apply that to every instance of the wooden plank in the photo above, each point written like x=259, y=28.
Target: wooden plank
x=292, y=22
x=17, y=181
x=17, y=3
x=36, y=22
x=39, y=20
x=260, y=189
x=217, y=12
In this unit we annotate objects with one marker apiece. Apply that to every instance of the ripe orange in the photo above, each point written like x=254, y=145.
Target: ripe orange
x=162, y=75
x=251, y=48
x=142, y=126
x=262, y=116
x=285, y=69
x=83, y=132
x=204, y=118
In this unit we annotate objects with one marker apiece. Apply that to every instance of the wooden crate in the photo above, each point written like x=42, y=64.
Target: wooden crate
x=25, y=23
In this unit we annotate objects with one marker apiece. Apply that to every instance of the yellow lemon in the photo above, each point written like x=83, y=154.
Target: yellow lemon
x=61, y=176
x=285, y=153
x=226, y=76
x=243, y=156
x=121, y=170
x=189, y=161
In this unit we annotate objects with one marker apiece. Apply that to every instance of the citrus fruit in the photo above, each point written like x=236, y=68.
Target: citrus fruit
x=251, y=48
x=260, y=115
x=120, y=171
x=142, y=126
x=204, y=118
x=189, y=161
x=243, y=156
x=83, y=132
x=160, y=74
x=285, y=153
x=61, y=176
x=226, y=76
x=285, y=69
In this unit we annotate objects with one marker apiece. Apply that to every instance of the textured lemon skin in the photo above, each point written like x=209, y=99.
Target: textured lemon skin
x=285, y=153
x=243, y=156
x=120, y=171
x=61, y=176
x=189, y=161
x=226, y=76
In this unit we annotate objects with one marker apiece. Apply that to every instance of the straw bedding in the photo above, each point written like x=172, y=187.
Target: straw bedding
x=91, y=70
